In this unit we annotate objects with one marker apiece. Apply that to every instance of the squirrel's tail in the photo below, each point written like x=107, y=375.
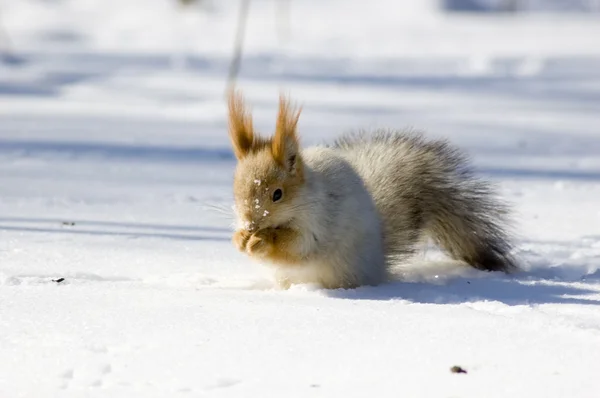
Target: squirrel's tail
x=468, y=222
x=422, y=186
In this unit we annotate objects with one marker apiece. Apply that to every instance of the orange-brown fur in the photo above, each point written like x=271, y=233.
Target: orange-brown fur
x=241, y=129
x=273, y=244
x=285, y=131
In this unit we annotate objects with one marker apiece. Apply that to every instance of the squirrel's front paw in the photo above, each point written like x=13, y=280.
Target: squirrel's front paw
x=240, y=239
x=261, y=243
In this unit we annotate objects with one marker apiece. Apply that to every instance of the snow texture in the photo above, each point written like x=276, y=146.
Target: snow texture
x=117, y=274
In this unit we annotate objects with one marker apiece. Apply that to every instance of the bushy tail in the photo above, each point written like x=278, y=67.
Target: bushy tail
x=468, y=222
x=428, y=186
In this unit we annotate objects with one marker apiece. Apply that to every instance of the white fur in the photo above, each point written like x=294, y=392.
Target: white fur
x=348, y=249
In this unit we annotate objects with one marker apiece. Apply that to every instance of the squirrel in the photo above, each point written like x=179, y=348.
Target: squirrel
x=342, y=215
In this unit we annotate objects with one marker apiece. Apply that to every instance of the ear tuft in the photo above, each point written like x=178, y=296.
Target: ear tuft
x=241, y=131
x=285, y=145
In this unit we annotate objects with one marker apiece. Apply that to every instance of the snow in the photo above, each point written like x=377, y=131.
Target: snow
x=116, y=175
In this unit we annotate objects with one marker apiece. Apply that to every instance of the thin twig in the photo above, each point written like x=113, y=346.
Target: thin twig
x=236, y=61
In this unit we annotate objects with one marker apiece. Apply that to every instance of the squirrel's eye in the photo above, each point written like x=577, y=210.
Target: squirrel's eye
x=277, y=195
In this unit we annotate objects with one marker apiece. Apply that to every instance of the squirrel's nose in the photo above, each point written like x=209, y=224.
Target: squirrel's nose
x=251, y=227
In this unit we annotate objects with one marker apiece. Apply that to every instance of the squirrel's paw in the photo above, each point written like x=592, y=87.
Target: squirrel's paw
x=240, y=239
x=261, y=243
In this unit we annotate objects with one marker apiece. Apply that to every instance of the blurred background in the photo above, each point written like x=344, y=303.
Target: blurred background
x=517, y=82
x=65, y=47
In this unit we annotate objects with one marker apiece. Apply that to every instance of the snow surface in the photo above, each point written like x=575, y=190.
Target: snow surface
x=116, y=172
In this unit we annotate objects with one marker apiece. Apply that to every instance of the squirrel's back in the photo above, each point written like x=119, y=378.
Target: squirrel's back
x=427, y=187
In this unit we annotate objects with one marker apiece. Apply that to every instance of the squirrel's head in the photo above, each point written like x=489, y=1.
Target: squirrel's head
x=269, y=172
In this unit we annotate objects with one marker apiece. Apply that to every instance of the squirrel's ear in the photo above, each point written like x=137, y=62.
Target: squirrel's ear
x=285, y=145
x=241, y=131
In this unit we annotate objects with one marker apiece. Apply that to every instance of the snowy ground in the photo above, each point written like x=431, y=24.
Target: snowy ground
x=114, y=156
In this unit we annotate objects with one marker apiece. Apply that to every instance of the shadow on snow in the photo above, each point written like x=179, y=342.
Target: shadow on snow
x=121, y=229
x=509, y=290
